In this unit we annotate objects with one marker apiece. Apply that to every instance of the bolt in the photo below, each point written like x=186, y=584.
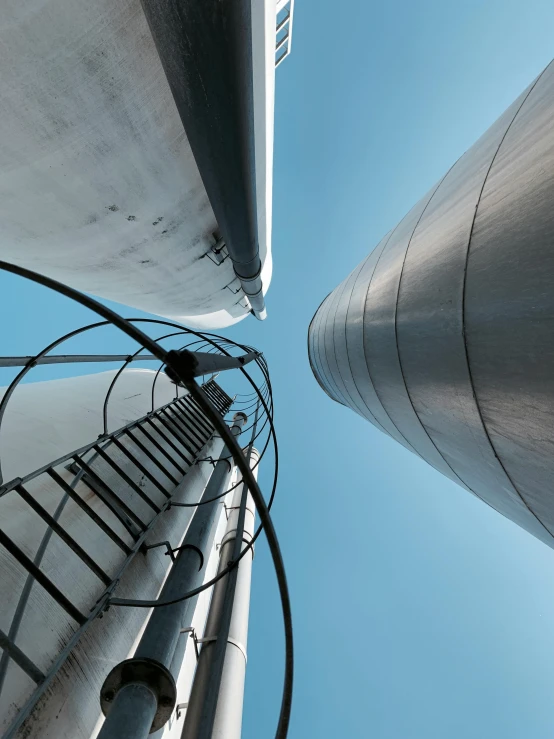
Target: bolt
x=109, y=695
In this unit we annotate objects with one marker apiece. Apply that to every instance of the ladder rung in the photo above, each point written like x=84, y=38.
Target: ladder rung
x=185, y=431
x=212, y=396
x=41, y=578
x=190, y=423
x=194, y=404
x=111, y=501
x=193, y=407
x=160, y=448
x=140, y=467
x=198, y=417
x=124, y=508
x=225, y=399
x=190, y=401
x=146, y=472
x=189, y=443
x=125, y=477
x=168, y=440
x=218, y=398
x=174, y=429
x=62, y=533
x=88, y=510
x=151, y=457
x=217, y=390
x=20, y=658
x=185, y=404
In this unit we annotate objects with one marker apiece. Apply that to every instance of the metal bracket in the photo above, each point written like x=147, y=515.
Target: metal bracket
x=149, y=672
x=73, y=467
x=211, y=460
x=179, y=708
x=216, y=249
x=190, y=630
x=244, y=304
x=170, y=551
x=194, y=549
x=9, y=486
x=234, y=642
x=235, y=292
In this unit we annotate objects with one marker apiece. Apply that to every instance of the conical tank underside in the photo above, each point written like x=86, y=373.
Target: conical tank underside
x=443, y=337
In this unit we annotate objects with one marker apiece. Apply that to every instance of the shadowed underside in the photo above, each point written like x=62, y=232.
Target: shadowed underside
x=99, y=186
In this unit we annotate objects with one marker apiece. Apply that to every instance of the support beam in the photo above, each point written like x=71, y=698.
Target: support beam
x=72, y=358
x=197, y=364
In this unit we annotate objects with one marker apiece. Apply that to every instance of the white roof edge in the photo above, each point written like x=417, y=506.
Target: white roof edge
x=263, y=62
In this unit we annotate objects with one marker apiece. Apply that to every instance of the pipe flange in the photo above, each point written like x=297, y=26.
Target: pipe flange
x=147, y=672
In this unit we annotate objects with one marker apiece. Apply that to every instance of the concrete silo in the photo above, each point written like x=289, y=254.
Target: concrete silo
x=443, y=337
x=136, y=161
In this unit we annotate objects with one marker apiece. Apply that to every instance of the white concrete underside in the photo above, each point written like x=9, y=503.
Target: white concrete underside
x=98, y=185
x=45, y=420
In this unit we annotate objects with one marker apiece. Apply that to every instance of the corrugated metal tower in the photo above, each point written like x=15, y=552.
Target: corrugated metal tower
x=443, y=337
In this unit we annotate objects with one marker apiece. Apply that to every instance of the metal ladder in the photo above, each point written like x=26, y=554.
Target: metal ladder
x=121, y=483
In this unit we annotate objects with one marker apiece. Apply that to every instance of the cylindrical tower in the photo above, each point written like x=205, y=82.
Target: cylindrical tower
x=105, y=184
x=443, y=336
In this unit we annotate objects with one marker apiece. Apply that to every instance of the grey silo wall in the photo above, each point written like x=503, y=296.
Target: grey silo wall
x=443, y=337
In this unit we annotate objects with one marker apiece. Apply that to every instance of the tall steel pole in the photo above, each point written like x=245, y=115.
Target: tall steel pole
x=139, y=694
x=215, y=705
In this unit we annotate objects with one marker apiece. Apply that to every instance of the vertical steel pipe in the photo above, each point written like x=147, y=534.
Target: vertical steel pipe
x=149, y=667
x=215, y=705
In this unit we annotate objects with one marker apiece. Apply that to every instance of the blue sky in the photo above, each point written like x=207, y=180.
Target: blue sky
x=419, y=613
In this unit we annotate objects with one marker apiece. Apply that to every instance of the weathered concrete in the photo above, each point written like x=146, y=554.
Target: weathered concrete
x=98, y=185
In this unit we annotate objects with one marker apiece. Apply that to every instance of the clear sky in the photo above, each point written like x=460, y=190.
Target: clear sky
x=419, y=613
